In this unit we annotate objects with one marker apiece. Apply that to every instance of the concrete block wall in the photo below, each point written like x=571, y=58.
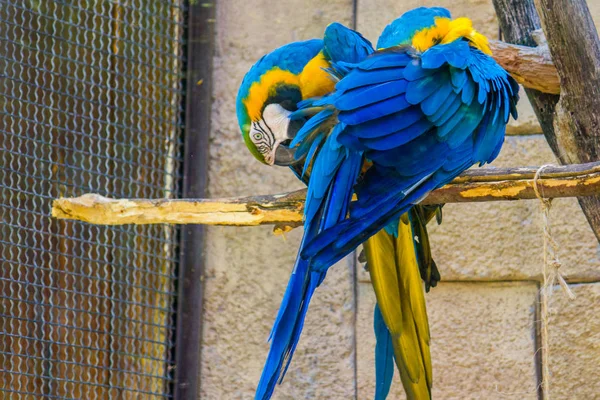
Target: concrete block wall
x=483, y=315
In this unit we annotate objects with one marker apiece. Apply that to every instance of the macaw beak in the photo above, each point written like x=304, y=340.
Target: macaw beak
x=284, y=156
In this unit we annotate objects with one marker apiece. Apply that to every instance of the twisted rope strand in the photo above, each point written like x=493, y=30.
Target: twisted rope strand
x=550, y=275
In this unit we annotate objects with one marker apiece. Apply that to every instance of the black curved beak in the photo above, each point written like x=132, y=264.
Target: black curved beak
x=284, y=156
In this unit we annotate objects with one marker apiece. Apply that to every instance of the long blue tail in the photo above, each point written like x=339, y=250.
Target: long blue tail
x=288, y=323
x=334, y=173
x=384, y=356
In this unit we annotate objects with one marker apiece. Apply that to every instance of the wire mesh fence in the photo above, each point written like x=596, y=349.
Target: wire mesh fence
x=90, y=101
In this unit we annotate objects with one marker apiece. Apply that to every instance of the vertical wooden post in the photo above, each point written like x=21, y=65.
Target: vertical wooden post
x=567, y=120
x=575, y=48
x=200, y=46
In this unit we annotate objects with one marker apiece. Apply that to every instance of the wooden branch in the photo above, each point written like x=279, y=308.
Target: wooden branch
x=532, y=67
x=285, y=210
x=575, y=47
x=244, y=211
x=519, y=22
x=565, y=135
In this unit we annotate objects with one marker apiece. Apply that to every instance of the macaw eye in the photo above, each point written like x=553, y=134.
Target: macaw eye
x=257, y=136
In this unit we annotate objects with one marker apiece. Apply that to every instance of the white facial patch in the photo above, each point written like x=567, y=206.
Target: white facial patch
x=270, y=131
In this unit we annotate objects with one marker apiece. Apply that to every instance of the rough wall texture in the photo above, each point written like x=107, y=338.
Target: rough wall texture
x=483, y=331
x=482, y=341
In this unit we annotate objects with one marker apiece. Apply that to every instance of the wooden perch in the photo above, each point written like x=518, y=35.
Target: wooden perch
x=532, y=67
x=486, y=184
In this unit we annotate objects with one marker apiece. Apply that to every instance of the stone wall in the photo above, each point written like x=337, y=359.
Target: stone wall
x=483, y=314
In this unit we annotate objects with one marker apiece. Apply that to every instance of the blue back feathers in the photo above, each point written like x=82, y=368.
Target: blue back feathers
x=401, y=30
x=343, y=44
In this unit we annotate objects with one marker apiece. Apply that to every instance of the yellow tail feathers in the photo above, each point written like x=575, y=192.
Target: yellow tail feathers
x=392, y=264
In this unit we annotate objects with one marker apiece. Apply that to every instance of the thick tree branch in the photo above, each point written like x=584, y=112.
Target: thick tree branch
x=488, y=184
x=575, y=47
x=570, y=121
x=519, y=21
x=532, y=67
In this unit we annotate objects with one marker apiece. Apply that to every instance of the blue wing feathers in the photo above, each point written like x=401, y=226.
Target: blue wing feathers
x=445, y=129
x=392, y=59
x=465, y=128
x=312, y=124
x=314, y=281
x=455, y=54
x=458, y=77
x=340, y=195
x=332, y=245
x=468, y=91
x=400, y=137
x=385, y=125
x=384, y=356
x=494, y=153
x=386, y=187
x=363, y=96
x=414, y=71
x=443, y=115
x=311, y=153
x=364, y=78
x=452, y=103
x=436, y=100
x=374, y=111
x=419, y=90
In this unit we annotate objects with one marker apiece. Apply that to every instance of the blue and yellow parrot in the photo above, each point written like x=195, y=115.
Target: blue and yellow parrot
x=389, y=126
x=288, y=75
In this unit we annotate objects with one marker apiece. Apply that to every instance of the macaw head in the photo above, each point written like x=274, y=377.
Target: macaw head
x=271, y=91
x=423, y=28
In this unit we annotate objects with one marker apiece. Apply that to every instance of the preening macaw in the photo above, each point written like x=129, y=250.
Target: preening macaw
x=268, y=95
x=427, y=105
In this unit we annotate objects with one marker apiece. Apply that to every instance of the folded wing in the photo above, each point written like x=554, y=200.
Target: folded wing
x=421, y=119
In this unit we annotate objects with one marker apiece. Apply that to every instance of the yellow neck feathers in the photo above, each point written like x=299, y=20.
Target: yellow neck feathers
x=261, y=90
x=313, y=81
x=446, y=31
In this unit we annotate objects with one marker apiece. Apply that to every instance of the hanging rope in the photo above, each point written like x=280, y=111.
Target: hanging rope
x=550, y=275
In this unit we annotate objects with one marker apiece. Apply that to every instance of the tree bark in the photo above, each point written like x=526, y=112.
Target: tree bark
x=575, y=48
x=570, y=122
x=286, y=210
x=532, y=67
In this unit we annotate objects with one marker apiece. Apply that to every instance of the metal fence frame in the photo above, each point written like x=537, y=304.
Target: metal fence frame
x=95, y=26
x=201, y=19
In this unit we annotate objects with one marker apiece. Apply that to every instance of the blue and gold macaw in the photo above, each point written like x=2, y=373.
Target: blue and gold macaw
x=430, y=103
x=268, y=96
x=397, y=124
